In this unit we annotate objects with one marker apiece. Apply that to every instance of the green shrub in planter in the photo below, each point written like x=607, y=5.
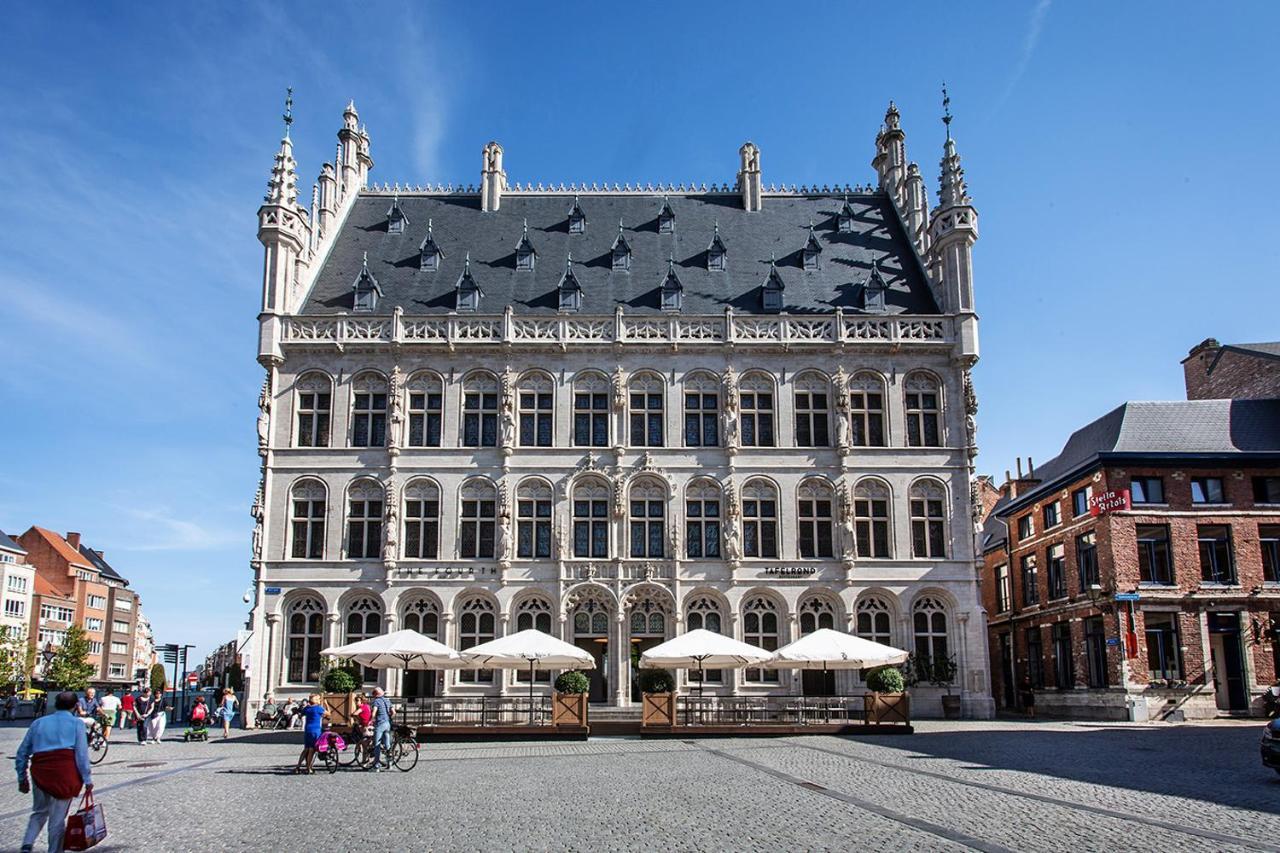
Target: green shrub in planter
x=656, y=681
x=886, y=679
x=572, y=682
x=339, y=680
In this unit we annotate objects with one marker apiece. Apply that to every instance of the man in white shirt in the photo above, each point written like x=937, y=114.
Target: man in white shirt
x=109, y=707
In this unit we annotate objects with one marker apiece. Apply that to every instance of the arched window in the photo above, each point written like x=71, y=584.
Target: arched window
x=591, y=618
x=591, y=518
x=760, y=519
x=314, y=395
x=533, y=520
x=426, y=410
x=866, y=410
x=702, y=520
x=873, y=622
x=812, y=410
x=648, y=513
x=369, y=411
x=479, y=519
x=533, y=613
x=421, y=520
x=755, y=398
x=536, y=410
x=364, y=620
x=929, y=620
x=591, y=410
x=645, y=393
x=871, y=518
x=423, y=616
x=928, y=527
x=814, y=504
x=701, y=410
x=304, y=640
x=760, y=628
x=923, y=403
x=816, y=613
x=480, y=410
x=704, y=613
x=476, y=625
x=364, y=520
x=308, y=498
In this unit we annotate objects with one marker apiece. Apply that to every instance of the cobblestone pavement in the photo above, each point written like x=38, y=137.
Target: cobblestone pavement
x=987, y=786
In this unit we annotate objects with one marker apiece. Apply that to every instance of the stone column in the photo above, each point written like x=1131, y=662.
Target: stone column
x=621, y=655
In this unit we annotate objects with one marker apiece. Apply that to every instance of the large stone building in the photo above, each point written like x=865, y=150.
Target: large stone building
x=616, y=413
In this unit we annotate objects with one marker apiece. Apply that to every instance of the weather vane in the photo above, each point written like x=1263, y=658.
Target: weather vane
x=946, y=108
x=288, y=109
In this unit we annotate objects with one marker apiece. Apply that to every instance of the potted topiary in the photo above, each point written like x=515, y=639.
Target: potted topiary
x=339, y=682
x=942, y=673
x=887, y=701
x=569, y=701
x=657, y=697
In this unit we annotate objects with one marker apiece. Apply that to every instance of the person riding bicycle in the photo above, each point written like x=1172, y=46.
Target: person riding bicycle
x=361, y=719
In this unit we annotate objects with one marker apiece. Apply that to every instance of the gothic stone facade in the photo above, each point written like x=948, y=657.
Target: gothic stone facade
x=615, y=414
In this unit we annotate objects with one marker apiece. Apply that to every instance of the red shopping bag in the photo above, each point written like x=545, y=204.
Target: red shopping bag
x=87, y=826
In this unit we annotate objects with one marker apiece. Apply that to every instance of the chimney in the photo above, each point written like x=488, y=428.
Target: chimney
x=73, y=539
x=493, y=178
x=1195, y=369
x=749, y=180
x=101, y=555
x=1019, y=467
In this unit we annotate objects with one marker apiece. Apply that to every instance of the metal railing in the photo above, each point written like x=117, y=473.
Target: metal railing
x=769, y=710
x=474, y=711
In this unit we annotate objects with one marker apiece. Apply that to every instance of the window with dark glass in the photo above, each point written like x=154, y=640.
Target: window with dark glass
x=815, y=528
x=313, y=418
x=1030, y=581
x=1049, y=512
x=591, y=419
x=308, y=529
x=648, y=536
x=702, y=527
x=364, y=529
x=1266, y=490
x=479, y=525
x=1035, y=658
x=1056, y=571
x=1269, y=541
x=1004, y=592
x=535, y=418
x=928, y=537
x=812, y=419
x=1087, y=560
x=701, y=420
x=922, y=418
x=1064, y=666
x=1095, y=649
x=369, y=419
x=1216, y=562
x=1207, y=490
x=866, y=414
x=1080, y=502
x=871, y=523
x=421, y=528
x=590, y=527
x=1164, y=646
x=533, y=528
x=1146, y=490
x=425, y=411
x=480, y=419
x=760, y=629
x=757, y=418
x=1025, y=527
x=760, y=527
x=646, y=419
x=1155, y=560
x=476, y=625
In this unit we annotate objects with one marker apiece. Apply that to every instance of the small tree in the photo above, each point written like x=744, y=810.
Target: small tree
x=339, y=679
x=656, y=681
x=942, y=672
x=157, y=678
x=70, y=668
x=572, y=682
x=885, y=679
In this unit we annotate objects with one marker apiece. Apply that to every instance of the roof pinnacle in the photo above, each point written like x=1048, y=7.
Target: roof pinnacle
x=288, y=110
x=946, y=108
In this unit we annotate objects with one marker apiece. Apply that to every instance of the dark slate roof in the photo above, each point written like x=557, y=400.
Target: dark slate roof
x=7, y=544
x=995, y=532
x=750, y=238
x=100, y=564
x=1182, y=429
x=1271, y=349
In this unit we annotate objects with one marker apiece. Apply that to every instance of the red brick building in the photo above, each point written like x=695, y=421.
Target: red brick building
x=1138, y=572
x=1234, y=371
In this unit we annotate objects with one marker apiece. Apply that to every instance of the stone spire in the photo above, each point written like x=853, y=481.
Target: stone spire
x=890, y=161
x=493, y=179
x=349, y=151
x=282, y=188
x=917, y=212
x=749, y=180
x=284, y=228
x=953, y=229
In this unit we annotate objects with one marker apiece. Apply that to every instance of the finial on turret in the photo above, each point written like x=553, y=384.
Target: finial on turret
x=288, y=110
x=946, y=108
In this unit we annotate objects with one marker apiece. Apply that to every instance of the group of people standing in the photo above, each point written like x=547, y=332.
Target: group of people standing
x=371, y=716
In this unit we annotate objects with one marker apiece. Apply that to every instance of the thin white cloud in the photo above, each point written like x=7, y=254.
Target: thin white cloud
x=1035, y=26
x=164, y=532
x=424, y=90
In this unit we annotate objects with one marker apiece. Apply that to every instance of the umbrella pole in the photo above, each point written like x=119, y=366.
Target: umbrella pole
x=531, y=665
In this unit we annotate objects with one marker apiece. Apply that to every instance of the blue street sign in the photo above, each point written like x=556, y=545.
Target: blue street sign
x=1113, y=641
x=1127, y=596
x=272, y=590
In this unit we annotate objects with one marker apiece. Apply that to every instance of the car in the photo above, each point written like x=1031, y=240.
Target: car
x=1271, y=745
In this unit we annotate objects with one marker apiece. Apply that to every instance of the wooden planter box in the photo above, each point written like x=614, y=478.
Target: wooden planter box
x=341, y=707
x=657, y=709
x=569, y=709
x=887, y=708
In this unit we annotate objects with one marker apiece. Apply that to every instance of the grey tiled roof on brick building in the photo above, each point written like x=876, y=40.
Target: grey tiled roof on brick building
x=780, y=230
x=7, y=544
x=100, y=564
x=1270, y=349
x=1186, y=429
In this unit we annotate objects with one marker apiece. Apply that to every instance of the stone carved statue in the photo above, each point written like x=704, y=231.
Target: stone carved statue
x=264, y=416
x=258, y=511
x=391, y=525
x=732, y=420
x=396, y=431
x=848, y=535
x=502, y=532
x=562, y=540
x=975, y=503
x=508, y=410
x=619, y=389
x=970, y=396
x=732, y=527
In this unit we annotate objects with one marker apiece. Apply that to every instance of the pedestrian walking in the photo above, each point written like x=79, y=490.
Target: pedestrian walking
x=159, y=717
x=227, y=710
x=1027, y=695
x=108, y=708
x=313, y=715
x=10, y=706
x=56, y=750
x=126, y=709
x=142, y=709
x=382, y=716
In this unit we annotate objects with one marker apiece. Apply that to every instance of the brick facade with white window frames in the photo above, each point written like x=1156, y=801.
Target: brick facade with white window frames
x=614, y=469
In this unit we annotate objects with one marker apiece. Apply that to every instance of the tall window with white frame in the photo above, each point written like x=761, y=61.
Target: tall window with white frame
x=866, y=411
x=426, y=410
x=648, y=511
x=364, y=621
x=421, y=520
x=871, y=518
x=314, y=401
x=873, y=622
x=533, y=520
x=480, y=410
x=364, y=521
x=479, y=519
x=645, y=394
x=303, y=641
x=760, y=519
x=534, y=614
x=812, y=410
x=703, y=613
x=814, y=536
x=308, y=499
x=591, y=518
x=929, y=621
x=536, y=413
x=928, y=520
x=923, y=404
x=368, y=411
x=701, y=411
x=591, y=411
x=755, y=404
x=702, y=520
x=476, y=624
x=760, y=629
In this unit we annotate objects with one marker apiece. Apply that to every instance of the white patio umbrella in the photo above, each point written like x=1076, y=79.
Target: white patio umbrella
x=405, y=649
x=826, y=649
x=699, y=649
x=530, y=648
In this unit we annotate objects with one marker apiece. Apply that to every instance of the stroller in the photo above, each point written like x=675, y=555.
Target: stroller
x=199, y=727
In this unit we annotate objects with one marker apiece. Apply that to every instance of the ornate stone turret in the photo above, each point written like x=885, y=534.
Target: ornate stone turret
x=283, y=226
x=349, y=140
x=952, y=232
x=890, y=161
x=749, y=182
x=917, y=212
x=493, y=180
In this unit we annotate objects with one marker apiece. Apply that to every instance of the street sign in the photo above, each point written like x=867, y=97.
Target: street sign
x=1127, y=596
x=1113, y=641
x=192, y=679
x=272, y=590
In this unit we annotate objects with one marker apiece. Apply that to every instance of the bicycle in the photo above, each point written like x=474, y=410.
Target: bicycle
x=98, y=743
x=402, y=754
x=331, y=746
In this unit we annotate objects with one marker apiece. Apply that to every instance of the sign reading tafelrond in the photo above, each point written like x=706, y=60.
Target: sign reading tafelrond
x=1108, y=501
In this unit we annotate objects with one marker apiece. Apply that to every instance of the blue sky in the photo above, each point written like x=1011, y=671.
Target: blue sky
x=1122, y=161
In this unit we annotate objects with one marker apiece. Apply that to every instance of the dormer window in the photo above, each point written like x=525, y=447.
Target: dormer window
x=844, y=219
x=666, y=218
x=717, y=257
x=467, y=291
x=570, y=290
x=772, y=289
x=672, y=290
x=621, y=252
x=526, y=255
x=366, y=289
x=873, y=291
x=396, y=220
x=577, y=219
x=429, y=254
x=812, y=249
